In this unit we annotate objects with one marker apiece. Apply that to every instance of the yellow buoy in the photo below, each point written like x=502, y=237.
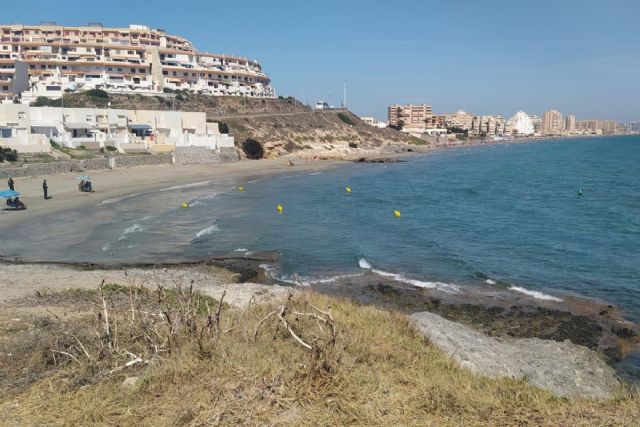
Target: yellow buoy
x=185, y=205
x=397, y=214
x=241, y=188
x=280, y=208
x=348, y=189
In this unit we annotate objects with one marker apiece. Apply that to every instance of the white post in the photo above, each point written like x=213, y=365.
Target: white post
x=344, y=98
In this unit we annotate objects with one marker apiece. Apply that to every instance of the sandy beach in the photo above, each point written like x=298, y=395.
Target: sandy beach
x=112, y=184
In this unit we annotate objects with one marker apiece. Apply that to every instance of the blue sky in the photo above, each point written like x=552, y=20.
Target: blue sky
x=488, y=57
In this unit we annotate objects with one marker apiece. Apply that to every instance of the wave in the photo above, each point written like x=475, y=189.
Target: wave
x=447, y=287
x=363, y=263
x=207, y=231
x=297, y=280
x=490, y=282
x=315, y=173
x=535, y=294
x=133, y=229
x=241, y=250
x=106, y=247
x=160, y=190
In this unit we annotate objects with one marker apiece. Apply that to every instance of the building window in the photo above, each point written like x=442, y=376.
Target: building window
x=22, y=115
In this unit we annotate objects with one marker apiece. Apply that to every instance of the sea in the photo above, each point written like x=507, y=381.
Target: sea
x=545, y=218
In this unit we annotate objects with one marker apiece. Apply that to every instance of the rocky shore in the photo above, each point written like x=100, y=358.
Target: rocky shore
x=570, y=348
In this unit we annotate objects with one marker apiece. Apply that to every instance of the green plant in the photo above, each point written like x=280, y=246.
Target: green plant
x=43, y=101
x=345, y=119
x=252, y=149
x=8, y=154
x=223, y=127
x=97, y=93
x=111, y=148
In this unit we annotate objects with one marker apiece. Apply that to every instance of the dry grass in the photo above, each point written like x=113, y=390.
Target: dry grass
x=378, y=371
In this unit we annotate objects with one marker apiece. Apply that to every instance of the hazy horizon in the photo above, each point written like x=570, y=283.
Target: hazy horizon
x=493, y=57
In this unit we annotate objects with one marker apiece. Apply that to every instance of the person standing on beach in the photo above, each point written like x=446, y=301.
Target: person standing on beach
x=11, y=184
x=45, y=189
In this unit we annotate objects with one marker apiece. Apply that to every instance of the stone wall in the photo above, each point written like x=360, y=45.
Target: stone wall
x=94, y=164
x=36, y=169
x=143, y=160
x=200, y=155
x=55, y=168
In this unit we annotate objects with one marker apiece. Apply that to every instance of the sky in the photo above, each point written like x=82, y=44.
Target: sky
x=581, y=57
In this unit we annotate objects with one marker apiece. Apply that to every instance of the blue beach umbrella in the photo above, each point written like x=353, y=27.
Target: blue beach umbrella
x=8, y=193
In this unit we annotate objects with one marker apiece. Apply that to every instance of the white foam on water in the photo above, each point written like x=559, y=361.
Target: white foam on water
x=490, y=282
x=207, y=231
x=133, y=229
x=209, y=197
x=160, y=190
x=106, y=247
x=241, y=250
x=183, y=186
x=447, y=287
x=119, y=199
x=336, y=278
x=315, y=173
x=363, y=263
x=534, y=294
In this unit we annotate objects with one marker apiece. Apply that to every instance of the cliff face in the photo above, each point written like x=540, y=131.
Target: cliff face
x=281, y=126
x=321, y=132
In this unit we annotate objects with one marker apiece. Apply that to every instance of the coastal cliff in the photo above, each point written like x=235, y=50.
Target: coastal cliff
x=280, y=126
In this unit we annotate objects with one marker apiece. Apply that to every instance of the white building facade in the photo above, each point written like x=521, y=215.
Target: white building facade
x=30, y=129
x=47, y=60
x=521, y=125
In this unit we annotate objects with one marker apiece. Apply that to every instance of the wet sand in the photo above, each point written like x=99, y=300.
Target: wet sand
x=112, y=184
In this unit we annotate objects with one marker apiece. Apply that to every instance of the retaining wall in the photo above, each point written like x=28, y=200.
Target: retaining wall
x=55, y=168
x=200, y=155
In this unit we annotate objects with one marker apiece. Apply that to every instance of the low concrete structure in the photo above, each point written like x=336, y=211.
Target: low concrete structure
x=29, y=129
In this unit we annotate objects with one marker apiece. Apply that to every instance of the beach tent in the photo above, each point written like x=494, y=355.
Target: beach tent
x=8, y=193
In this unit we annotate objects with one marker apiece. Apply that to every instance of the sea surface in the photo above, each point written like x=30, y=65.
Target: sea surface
x=546, y=218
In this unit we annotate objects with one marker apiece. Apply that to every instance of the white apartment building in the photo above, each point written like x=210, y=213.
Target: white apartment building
x=47, y=60
x=29, y=129
x=489, y=125
x=372, y=121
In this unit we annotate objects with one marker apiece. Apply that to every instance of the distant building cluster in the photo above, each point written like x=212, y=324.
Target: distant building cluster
x=420, y=120
x=49, y=60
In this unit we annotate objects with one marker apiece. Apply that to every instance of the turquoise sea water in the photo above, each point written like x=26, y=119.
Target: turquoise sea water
x=473, y=216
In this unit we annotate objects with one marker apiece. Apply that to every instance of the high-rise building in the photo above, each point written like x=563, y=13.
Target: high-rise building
x=570, y=124
x=633, y=127
x=49, y=60
x=536, y=121
x=410, y=116
x=552, y=122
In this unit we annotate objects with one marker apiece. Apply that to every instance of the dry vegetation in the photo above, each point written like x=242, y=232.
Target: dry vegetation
x=313, y=360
